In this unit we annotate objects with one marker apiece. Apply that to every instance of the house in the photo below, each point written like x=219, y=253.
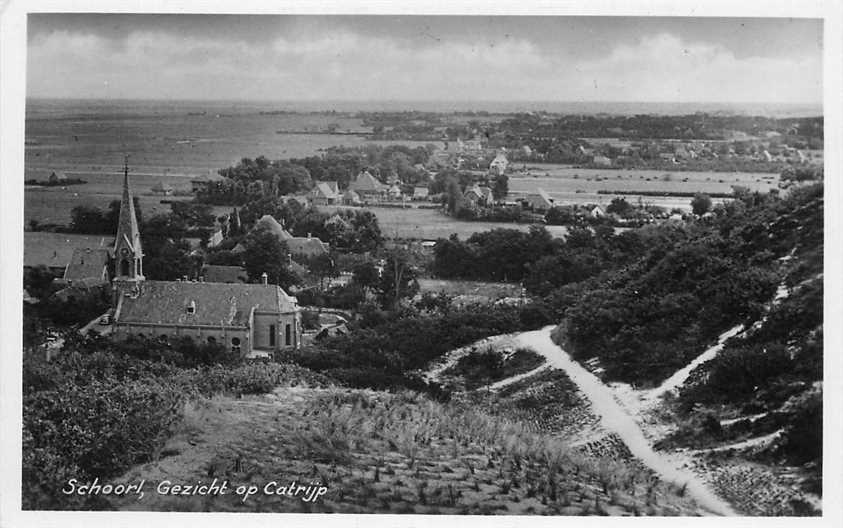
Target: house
x=325, y=193
x=539, y=201
x=202, y=183
x=479, y=195
x=57, y=177
x=498, y=165
x=250, y=320
x=55, y=250
x=367, y=186
x=421, y=193
x=351, y=198
x=162, y=189
x=88, y=264
x=602, y=161
x=597, y=212
x=226, y=274
x=395, y=192
x=299, y=247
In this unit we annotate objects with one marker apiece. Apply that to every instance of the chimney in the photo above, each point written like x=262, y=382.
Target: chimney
x=264, y=278
x=308, y=236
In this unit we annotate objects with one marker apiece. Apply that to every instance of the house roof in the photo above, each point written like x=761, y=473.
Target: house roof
x=55, y=250
x=216, y=304
x=326, y=189
x=365, y=182
x=229, y=274
x=270, y=224
x=308, y=246
x=87, y=263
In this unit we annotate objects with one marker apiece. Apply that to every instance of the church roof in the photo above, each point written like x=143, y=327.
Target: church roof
x=216, y=304
x=87, y=263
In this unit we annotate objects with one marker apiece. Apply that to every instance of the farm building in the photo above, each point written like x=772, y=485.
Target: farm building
x=367, y=186
x=252, y=320
x=325, y=193
x=539, y=200
x=202, y=183
x=162, y=189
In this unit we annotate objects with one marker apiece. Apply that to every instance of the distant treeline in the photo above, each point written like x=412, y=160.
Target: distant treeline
x=55, y=183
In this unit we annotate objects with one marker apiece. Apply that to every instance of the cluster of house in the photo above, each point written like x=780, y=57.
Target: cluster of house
x=252, y=320
x=365, y=188
x=677, y=152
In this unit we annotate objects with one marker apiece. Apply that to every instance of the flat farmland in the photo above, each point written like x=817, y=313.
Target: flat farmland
x=430, y=224
x=53, y=204
x=569, y=185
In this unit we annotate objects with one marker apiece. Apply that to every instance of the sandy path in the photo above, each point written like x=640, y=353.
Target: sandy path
x=617, y=419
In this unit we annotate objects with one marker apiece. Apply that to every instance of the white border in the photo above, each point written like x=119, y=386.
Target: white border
x=12, y=103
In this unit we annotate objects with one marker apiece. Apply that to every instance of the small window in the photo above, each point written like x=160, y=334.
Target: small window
x=163, y=338
x=272, y=335
x=287, y=336
x=212, y=340
x=191, y=307
x=235, y=345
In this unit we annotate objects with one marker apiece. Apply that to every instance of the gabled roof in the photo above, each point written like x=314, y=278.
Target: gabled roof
x=326, y=189
x=270, y=224
x=365, y=182
x=54, y=250
x=216, y=304
x=87, y=263
x=307, y=246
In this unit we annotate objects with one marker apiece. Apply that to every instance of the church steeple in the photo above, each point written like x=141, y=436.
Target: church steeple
x=128, y=253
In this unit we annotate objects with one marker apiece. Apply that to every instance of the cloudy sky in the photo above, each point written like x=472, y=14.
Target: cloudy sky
x=421, y=58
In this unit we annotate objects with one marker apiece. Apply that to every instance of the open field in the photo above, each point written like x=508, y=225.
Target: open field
x=570, y=185
x=53, y=204
x=430, y=224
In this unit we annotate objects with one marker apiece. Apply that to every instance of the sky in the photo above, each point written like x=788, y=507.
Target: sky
x=424, y=58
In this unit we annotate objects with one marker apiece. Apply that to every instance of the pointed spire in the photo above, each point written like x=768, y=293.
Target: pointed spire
x=127, y=225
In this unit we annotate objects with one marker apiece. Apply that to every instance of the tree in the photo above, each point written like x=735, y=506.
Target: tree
x=454, y=195
x=398, y=279
x=500, y=187
x=700, y=204
x=264, y=253
x=619, y=206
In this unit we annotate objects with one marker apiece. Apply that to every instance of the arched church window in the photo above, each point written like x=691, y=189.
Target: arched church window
x=235, y=345
x=124, y=267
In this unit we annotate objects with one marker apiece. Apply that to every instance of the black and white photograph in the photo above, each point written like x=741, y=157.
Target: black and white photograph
x=495, y=261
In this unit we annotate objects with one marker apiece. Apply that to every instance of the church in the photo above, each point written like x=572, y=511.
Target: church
x=253, y=320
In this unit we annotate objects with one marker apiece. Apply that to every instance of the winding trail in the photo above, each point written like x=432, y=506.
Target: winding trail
x=617, y=419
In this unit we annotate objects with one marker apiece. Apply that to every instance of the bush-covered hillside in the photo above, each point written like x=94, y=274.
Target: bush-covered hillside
x=650, y=317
